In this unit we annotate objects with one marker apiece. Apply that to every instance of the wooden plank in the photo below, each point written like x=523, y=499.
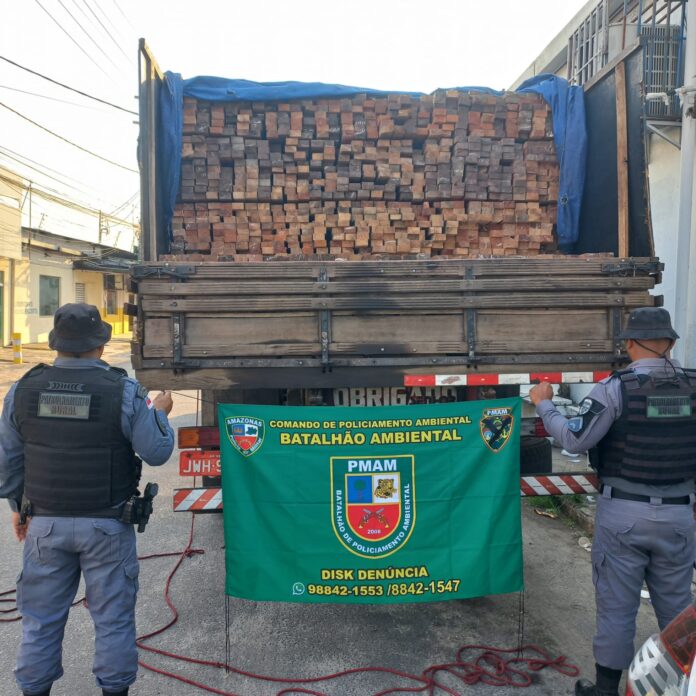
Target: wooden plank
x=550, y=345
x=529, y=324
x=622, y=158
x=392, y=348
x=396, y=328
x=405, y=302
x=251, y=349
x=549, y=265
x=250, y=329
x=158, y=331
x=343, y=286
x=157, y=351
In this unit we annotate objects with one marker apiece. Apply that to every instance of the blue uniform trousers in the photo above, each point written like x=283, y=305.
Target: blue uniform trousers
x=633, y=542
x=56, y=551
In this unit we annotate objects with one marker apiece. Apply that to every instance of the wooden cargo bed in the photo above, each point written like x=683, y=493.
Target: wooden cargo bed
x=329, y=323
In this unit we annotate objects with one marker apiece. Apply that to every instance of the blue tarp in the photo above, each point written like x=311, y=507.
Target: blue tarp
x=566, y=102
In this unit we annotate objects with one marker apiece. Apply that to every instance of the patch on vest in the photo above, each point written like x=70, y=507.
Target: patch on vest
x=668, y=407
x=66, y=386
x=64, y=406
x=575, y=425
x=589, y=410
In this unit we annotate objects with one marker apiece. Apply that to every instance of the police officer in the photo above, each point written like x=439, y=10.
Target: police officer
x=69, y=433
x=640, y=428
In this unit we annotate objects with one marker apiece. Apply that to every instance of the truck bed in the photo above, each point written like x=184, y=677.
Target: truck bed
x=331, y=323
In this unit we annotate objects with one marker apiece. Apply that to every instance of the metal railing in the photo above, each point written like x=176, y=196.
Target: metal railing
x=613, y=25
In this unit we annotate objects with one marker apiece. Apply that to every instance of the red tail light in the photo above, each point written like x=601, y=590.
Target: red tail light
x=198, y=436
x=680, y=639
x=539, y=429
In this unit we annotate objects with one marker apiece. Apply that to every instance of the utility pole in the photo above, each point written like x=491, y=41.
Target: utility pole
x=685, y=305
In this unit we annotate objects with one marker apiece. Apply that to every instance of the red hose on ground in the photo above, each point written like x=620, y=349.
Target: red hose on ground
x=489, y=667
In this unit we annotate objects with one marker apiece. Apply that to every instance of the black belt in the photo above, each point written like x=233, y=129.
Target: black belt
x=107, y=513
x=622, y=495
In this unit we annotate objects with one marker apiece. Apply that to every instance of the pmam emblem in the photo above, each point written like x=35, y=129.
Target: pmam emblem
x=245, y=433
x=496, y=427
x=374, y=504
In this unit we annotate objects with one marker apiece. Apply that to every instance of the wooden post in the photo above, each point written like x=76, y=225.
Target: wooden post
x=622, y=157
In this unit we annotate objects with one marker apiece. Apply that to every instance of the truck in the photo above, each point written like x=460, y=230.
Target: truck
x=328, y=330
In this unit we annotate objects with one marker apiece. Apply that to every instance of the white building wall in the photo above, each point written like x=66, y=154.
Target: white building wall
x=663, y=172
x=28, y=320
x=11, y=191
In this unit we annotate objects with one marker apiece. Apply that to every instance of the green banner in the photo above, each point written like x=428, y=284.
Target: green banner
x=378, y=505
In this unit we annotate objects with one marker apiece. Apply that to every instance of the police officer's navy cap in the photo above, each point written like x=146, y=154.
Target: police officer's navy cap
x=647, y=323
x=78, y=328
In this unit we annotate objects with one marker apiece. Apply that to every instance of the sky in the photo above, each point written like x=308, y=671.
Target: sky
x=92, y=45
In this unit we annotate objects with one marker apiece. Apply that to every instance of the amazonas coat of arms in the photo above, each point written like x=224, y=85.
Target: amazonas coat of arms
x=373, y=503
x=245, y=433
x=496, y=427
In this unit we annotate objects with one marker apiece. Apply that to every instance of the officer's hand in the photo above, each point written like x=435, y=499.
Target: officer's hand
x=163, y=402
x=541, y=392
x=20, y=530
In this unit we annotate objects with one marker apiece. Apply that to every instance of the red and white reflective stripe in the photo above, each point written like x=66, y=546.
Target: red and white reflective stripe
x=478, y=380
x=197, y=499
x=559, y=484
x=188, y=499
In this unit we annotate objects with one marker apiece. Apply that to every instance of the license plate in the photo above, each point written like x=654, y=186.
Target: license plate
x=392, y=396
x=200, y=463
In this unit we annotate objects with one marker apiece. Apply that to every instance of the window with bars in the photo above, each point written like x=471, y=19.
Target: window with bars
x=663, y=69
x=588, y=45
x=80, y=292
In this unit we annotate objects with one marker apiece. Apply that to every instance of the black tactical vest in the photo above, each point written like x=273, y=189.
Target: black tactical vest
x=654, y=439
x=76, y=458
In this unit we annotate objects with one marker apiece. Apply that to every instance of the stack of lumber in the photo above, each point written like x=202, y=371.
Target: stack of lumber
x=399, y=176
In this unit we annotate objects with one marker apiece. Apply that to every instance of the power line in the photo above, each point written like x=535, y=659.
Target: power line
x=125, y=204
x=65, y=202
x=5, y=149
x=70, y=142
x=89, y=36
x=39, y=171
x=72, y=89
x=93, y=25
x=110, y=35
x=55, y=99
x=48, y=188
x=123, y=15
x=70, y=36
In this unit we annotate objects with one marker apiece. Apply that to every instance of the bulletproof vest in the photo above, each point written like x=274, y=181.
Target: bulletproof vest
x=76, y=458
x=654, y=439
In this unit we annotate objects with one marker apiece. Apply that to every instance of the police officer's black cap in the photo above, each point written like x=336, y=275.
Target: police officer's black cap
x=78, y=328
x=649, y=323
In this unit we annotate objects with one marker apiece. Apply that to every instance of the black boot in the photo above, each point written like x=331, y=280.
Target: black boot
x=115, y=693
x=607, y=683
x=584, y=687
x=43, y=693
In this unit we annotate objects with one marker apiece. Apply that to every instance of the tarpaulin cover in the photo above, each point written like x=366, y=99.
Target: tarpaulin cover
x=566, y=103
